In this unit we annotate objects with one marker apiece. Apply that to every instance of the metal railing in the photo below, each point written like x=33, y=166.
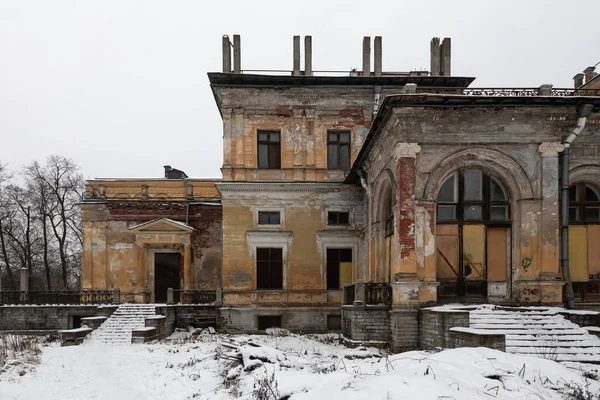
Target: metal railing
x=193, y=297
x=378, y=293
x=60, y=297
x=508, y=92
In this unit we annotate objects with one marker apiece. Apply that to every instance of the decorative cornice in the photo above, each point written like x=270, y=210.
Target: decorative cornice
x=261, y=188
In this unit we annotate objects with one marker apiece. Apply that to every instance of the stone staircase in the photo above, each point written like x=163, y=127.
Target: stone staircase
x=538, y=332
x=117, y=328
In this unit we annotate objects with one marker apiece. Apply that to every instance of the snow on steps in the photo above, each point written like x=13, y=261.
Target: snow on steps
x=538, y=332
x=117, y=328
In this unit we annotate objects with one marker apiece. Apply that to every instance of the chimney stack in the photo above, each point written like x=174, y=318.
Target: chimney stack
x=366, y=70
x=377, y=59
x=578, y=80
x=440, y=57
x=237, y=54
x=308, y=55
x=445, y=51
x=296, y=70
x=226, y=55
x=167, y=170
x=434, y=69
x=589, y=74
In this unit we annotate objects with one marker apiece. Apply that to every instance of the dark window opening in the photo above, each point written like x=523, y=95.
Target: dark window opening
x=339, y=268
x=269, y=268
x=269, y=218
x=389, y=215
x=334, y=322
x=269, y=321
x=584, y=203
x=338, y=218
x=269, y=150
x=473, y=196
x=338, y=150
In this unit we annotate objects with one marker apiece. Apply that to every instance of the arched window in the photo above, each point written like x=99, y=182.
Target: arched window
x=472, y=195
x=584, y=203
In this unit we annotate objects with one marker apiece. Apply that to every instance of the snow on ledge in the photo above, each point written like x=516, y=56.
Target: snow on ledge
x=156, y=317
x=82, y=329
x=472, y=331
x=144, y=329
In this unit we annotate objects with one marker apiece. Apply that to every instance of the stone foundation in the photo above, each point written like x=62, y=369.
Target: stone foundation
x=295, y=319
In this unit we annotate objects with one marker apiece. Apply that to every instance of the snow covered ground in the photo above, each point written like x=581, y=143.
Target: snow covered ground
x=293, y=367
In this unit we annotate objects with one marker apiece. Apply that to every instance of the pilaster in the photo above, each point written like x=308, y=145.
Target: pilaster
x=550, y=217
x=406, y=268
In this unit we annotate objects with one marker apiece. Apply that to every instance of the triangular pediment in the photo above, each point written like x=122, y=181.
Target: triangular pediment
x=162, y=225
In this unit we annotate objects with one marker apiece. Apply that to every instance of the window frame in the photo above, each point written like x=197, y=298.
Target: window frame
x=581, y=205
x=486, y=203
x=269, y=214
x=272, y=146
x=339, y=144
x=270, y=263
x=329, y=264
x=338, y=213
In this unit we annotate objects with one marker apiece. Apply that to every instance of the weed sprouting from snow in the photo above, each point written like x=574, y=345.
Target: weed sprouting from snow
x=266, y=387
x=546, y=347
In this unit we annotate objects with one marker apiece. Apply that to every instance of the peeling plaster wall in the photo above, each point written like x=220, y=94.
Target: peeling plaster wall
x=505, y=141
x=111, y=256
x=303, y=234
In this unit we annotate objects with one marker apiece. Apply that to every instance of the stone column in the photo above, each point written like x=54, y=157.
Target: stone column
x=86, y=256
x=404, y=213
x=550, y=224
x=187, y=267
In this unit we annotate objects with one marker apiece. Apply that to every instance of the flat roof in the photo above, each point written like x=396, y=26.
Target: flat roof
x=259, y=80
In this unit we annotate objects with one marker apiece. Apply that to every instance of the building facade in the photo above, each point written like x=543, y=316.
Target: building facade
x=391, y=189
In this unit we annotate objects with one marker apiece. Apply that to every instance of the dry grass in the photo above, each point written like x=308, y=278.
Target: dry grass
x=21, y=348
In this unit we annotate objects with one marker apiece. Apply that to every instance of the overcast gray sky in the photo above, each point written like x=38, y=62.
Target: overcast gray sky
x=121, y=87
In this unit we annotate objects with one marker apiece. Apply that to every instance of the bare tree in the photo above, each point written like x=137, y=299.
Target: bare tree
x=5, y=215
x=59, y=188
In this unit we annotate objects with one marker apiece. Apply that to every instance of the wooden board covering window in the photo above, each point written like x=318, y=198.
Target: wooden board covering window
x=578, y=253
x=474, y=252
x=497, y=254
x=593, y=237
x=447, y=252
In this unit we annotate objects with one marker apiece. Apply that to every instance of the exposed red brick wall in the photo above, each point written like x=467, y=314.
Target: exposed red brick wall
x=405, y=205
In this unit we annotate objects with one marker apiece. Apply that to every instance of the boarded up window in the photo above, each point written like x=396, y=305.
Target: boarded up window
x=269, y=150
x=447, y=247
x=334, y=322
x=497, y=254
x=578, y=254
x=474, y=252
x=339, y=268
x=269, y=268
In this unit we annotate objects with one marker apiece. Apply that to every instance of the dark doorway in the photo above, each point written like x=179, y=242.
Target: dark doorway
x=166, y=274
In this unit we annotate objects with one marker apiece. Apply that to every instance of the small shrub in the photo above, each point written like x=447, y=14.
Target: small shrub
x=265, y=388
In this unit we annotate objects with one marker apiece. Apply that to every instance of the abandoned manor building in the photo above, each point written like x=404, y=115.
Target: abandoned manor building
x=350, y=201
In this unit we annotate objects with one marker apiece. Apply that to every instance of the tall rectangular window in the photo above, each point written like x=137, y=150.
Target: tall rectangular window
x=269, y=150
x=338, y=150
x=339, y=268
x=269, y=268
